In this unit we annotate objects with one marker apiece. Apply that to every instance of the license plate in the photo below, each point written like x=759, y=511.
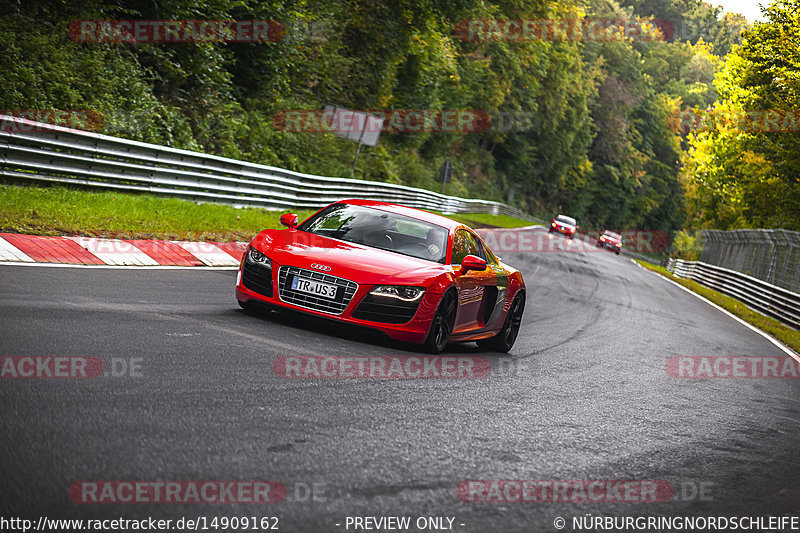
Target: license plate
x=323, y=290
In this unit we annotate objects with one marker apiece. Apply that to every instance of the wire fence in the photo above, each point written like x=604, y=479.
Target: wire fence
x=771, y=255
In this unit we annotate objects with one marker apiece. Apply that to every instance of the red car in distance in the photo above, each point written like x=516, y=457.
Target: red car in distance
x=414, y=275
x=564, y=225
x=610, y=240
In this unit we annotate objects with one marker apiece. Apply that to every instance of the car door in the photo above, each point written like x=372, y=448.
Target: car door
x=473, y=285
x=495, y=294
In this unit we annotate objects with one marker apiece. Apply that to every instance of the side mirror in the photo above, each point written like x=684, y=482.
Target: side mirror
x=472, y=262
x=289, y=220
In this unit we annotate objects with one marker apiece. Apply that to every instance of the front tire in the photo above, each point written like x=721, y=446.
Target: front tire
x=442, y=324
x=505, y=338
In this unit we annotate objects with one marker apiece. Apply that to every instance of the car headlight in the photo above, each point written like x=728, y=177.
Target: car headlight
x=254, y=257
x=603, y=239
x=400, y=292
x=619, y=244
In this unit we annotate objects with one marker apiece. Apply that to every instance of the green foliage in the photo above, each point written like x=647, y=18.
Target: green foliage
x=744, y=175
x=592, y=135
x=688, y=245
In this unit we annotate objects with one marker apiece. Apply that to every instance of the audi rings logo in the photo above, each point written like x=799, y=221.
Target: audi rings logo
x=324, y=268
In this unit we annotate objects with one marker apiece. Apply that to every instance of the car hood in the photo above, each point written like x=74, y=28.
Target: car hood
x=356, y=262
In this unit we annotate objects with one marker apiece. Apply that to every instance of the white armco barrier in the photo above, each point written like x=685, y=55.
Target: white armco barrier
x=42, y=152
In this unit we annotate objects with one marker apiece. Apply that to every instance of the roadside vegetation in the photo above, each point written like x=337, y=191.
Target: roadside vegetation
x=65, y=211
x=590, y=128
x=790, y=337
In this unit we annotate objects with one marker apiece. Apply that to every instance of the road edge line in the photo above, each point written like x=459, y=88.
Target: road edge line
x=791, y=353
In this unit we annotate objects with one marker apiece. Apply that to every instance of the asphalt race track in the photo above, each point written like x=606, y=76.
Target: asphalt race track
x=583, y=395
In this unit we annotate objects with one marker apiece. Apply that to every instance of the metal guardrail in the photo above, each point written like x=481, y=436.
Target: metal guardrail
x=771, y=255
x=769, y=299
x=42, y=152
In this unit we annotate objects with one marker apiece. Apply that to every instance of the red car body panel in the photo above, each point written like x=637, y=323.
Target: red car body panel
x=369, y=267
x=562, y=227
x=609, y=242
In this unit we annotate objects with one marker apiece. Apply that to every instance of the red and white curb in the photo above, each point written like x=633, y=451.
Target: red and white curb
x=32, y=249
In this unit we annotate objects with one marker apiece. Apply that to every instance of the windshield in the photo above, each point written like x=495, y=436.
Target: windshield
x=566, y=220
x=612, y=235
x=380, y=229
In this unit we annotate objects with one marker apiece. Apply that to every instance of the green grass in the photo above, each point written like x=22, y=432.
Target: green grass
x=69, y=211
x=790, y=337
x=64, y=211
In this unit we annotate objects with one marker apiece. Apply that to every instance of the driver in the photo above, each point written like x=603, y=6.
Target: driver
x=372, y=229
x=433, y=241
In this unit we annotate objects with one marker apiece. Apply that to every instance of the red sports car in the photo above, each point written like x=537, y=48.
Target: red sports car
x=564, y=225
x=416, y=276
x=610, y=240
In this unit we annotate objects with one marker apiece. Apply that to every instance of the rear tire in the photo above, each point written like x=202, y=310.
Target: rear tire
x=505, y=338
x=442, y=324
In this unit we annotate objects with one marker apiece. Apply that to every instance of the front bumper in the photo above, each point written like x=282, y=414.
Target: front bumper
x=609, y=246
x=562, y=231
x=415, y=330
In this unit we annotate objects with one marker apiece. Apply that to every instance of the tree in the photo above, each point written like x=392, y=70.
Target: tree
x=744, y=171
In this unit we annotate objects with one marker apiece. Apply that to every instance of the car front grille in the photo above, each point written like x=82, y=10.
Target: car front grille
x=344, y=292
x=377, y=309
x=257, y=278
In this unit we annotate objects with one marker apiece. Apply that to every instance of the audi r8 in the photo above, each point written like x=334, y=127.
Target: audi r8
x=610, y=240
x=416, y=276
x=564, y=225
